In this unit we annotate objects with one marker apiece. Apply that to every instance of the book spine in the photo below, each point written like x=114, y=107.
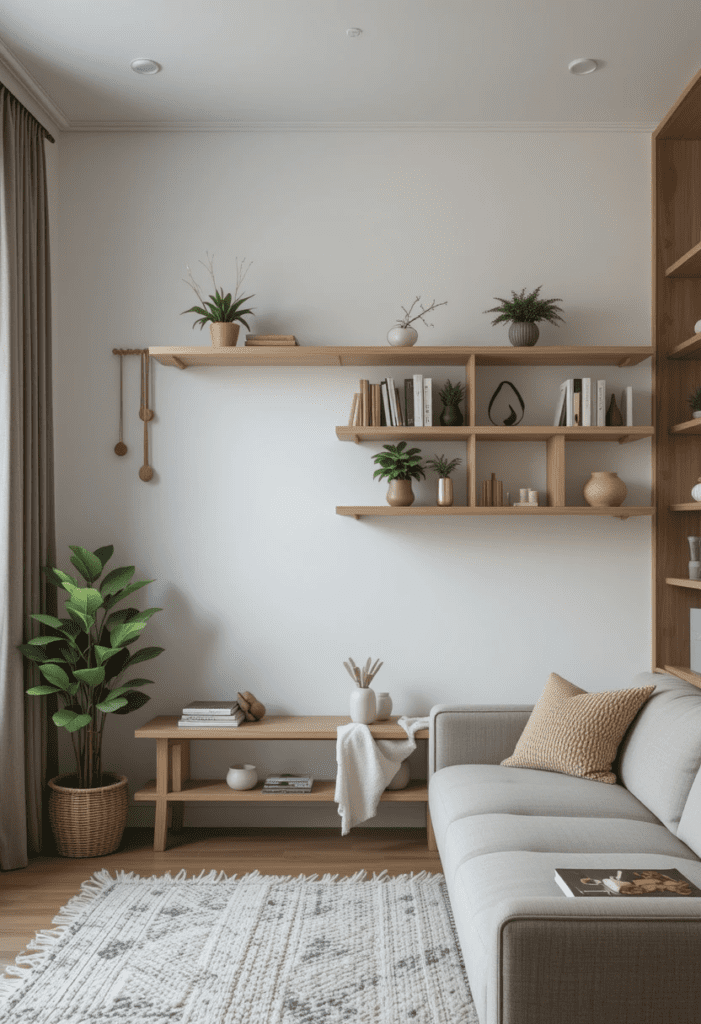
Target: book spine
x=398, y=404
x=428, y=402
x=354, y=406
x=409, y=401
x=569, y=416
x=601, y=403
x=365, y=400
x=560, y=407
x=577, y=402
x=376, y=405
x=586, y=401
x=385, y=404
x=629, y=406
x=392, y=401
x=418, y=400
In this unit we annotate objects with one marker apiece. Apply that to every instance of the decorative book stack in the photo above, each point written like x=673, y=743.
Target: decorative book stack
x=207, y=714
x=492, y=492
x=381, y=405
x=271, y=340
x=288, y=784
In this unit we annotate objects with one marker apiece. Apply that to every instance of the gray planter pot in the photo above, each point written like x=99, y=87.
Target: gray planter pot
x=521, y=334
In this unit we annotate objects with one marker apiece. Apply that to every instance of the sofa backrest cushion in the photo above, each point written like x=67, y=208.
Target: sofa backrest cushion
x=689, y=830
x=661, y=755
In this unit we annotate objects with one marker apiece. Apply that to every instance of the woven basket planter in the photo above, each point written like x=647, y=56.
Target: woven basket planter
x=88, y=822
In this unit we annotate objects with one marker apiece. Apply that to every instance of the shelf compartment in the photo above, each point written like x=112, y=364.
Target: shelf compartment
x=490, y=433
x=688, y=265
x=674, y=581
x=420, y=355
x=619, y=512
x=217, y=791
x=684, y=673
x=687, y=427
x=689, y=349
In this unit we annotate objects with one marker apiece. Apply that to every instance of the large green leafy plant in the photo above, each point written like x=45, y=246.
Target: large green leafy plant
x=84, y=656
x=397, y=464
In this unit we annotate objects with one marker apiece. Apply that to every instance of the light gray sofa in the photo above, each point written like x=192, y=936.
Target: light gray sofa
x=534, y=956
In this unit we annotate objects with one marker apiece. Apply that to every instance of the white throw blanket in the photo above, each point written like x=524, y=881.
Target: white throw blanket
x=366, y=766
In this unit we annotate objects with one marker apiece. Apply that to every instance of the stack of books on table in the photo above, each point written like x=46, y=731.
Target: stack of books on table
x=207, y=714
x=288, y=784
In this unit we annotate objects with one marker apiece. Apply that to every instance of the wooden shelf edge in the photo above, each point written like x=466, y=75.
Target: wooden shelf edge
x=689, y=349
x=684, y=673
x=677, y=581
x=323, y=790
x=618, y=512
x=686, y=506
x=687, y=427
x=688, y=265
x=490, y=433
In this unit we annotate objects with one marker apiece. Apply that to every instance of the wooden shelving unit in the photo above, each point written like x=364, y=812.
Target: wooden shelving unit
x=622, y=512
x=676, y=161
x=621, y=434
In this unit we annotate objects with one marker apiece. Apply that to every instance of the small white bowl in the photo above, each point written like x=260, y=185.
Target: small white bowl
x=241, y=776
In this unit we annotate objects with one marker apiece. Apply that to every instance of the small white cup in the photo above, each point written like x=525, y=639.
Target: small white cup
x=695, y=570
x=241, y=776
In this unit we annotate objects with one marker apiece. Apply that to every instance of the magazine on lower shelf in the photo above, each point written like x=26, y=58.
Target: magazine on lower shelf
x=288, y=784
x=645, y=882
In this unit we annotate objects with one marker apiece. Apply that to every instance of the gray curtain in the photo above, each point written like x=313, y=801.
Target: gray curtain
x=26, y=472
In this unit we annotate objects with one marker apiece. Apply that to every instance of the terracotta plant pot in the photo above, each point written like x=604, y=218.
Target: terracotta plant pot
x=224, y=335
x=88, y=822
x=604, y=490
x=523, y=334
x=400, y=493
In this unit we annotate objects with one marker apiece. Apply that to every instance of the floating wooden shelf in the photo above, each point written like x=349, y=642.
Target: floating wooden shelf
x=689, y=349
x=688, y=265
x=490, y=433
x=688, y=427
x=385, y=355
x=686, y=506
x=684, y=673
x=619, y=512
x=216, y=791
x=679, y=582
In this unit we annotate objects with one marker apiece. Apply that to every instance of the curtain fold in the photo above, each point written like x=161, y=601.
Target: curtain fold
x=27, y=532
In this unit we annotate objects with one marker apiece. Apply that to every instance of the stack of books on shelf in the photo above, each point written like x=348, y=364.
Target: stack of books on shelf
x=288, y=784
x=271, y=340
x=207, y=714
x=380, y=405
x=580, y=404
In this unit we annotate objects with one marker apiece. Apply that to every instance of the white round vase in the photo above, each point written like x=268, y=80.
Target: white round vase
x=697, y=327
x=383, y=705
x=401, y=779
x=241, y=776
x=362, y=705
x=696, y=490
x=402, y=336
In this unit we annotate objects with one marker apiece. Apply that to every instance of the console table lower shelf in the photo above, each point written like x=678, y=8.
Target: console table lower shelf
x=173, y=787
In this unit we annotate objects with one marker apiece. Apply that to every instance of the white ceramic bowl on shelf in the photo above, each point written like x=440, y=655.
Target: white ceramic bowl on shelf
x=241, y=776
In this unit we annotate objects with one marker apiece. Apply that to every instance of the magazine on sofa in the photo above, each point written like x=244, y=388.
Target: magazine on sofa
x=624, y=882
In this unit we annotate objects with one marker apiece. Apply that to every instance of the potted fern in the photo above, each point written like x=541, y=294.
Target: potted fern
x=399, y=466
x=222, y=312
x=443, y=469
x=83, y=658
x=695, y=403
x=524, y=313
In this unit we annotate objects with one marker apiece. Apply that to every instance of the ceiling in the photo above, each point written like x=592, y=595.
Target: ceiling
x=289, y=63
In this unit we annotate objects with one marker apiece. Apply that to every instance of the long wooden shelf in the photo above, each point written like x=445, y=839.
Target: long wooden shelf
x=217, y=791
x=386, y=355
x=688, y=265
x=686, y=506
x=618, y=512
x=272, y=727
x=490, y=433
x=687, y=427
x=680, y=582
x=689, y=349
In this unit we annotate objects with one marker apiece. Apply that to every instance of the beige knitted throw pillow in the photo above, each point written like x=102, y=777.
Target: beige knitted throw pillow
x=575, y=732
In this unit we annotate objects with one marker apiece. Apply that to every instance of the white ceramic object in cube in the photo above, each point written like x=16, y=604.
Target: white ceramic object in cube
x=241, y=776
x=696, y=491
x=695, y=570
x=401, y=779
x=697, y=327
x=362, y=705
x=383, y=707
x=402, y=337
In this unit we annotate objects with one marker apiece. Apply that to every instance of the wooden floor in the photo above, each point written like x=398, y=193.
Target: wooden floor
x=29, y=898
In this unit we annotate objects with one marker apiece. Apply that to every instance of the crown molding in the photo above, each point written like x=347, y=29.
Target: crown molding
x=44, y=107
x=417, y=127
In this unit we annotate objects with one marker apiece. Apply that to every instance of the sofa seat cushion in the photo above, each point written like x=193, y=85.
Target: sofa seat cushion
x=661, y=755
x=466, y=789
x=489, y=892
x=481, y=834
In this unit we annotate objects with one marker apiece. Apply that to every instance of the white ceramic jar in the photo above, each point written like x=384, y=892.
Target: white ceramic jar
x=401, y=779
x=383, y=704
x=241, y=776
x=362, y=705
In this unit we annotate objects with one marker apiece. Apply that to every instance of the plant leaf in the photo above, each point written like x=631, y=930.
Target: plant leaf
x=116, y=580
x=40, y=691
x=56, y=676
x=112, y=705
x=135, y=699
x=125, y=633
x=34, y=654
x=63, y=717
x=103, y=654
x=48, y=620
x=85, y=600
x=90, y=676
x=88, y=565
x=132, y=588
x=145, y=654
x=78, y=722
x=104, y=554
x=58, y=577
x=133, y=684
x=42, y=641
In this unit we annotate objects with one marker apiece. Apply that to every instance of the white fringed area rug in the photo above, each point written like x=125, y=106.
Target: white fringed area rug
x=260, y=949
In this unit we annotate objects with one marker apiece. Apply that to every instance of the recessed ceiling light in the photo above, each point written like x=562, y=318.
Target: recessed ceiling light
x=145, y=66
x=353, y=32
x=582, y=66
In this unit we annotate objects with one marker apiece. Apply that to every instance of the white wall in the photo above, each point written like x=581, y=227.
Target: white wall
x=263, y=587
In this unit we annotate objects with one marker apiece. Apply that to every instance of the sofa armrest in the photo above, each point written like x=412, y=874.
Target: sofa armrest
x=473, y=733
x=599, y=963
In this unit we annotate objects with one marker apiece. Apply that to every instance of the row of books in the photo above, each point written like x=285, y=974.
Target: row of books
x=207, y=714
x=288, y=784
x=579, y=404
x=380, y=405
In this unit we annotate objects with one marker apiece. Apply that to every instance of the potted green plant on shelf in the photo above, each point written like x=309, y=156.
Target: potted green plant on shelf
x=399, y=466
x=524, y=313
x=451, y=395
x=443, y=469
x=404, y=335
x=222, y=312
x=695, y=403
x=83, y=658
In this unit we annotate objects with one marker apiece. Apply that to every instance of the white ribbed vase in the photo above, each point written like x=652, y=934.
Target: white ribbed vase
x=362, y=705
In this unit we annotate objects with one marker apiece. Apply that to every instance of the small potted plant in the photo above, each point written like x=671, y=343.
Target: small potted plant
x=695, y=403
x=404, y=335
x=451, y=395
x=82, y=659
x=443, y=468
x=400, y=466
x=222, y=312
x=524, y=313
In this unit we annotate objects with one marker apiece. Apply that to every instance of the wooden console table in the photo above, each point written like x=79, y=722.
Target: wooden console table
x=173, y=786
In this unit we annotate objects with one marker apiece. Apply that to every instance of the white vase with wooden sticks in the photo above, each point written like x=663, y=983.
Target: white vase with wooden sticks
x=362, y=700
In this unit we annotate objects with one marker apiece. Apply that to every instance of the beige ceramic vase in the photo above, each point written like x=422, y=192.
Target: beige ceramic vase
x=400, y=493
x=445, y=491
x=224, y=335
x=604, y=490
